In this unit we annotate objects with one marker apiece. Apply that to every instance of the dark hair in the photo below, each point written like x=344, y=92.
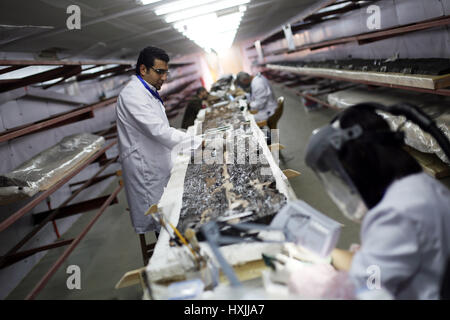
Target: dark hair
x=241, y=77
x=376, y=159
x=148, y=55
x=200, y=90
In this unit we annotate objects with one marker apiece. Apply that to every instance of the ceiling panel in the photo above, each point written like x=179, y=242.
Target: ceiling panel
x=115, y=28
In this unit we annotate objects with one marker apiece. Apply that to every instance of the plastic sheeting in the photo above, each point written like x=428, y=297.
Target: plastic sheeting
x=46, y=168
x=437, y=107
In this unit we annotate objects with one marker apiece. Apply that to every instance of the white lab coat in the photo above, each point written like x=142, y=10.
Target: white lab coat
x=405, y=240
x=262, y=98
x=146, y=141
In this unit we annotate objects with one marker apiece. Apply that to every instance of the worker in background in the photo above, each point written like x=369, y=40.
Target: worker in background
x=146, y=139
x=194, y=105
x=405, y=214
x=262, y=99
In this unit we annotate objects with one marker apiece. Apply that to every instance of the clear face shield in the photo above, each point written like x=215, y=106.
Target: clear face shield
x=348, y=201
x=321, y=156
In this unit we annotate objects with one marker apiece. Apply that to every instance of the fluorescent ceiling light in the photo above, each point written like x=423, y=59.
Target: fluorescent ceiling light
x=210, y=24
x=179, y=5
x=205, y=9
x=333, y=7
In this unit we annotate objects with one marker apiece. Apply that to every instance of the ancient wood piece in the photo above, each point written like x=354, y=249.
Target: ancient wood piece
x=276, y=146
x=131, y=278
x=430, y=163
x=262, y=123
x=289, y=173
x=247, y=271
x=441, y=82
x=152, y=209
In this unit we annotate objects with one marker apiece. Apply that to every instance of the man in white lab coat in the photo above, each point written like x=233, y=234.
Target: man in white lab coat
x=146, y=140
x=262, y=98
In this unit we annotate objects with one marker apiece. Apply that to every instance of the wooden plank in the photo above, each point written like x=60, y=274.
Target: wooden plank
x=430, y=163
x=408, y=80
x=421, y=83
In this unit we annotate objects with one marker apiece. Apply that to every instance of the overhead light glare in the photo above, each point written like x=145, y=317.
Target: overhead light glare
x=145, y=2
x=205, y=9
x=179, y=5
x=212, y=25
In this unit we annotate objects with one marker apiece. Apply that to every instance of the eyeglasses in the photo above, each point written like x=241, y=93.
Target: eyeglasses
x=161, y=71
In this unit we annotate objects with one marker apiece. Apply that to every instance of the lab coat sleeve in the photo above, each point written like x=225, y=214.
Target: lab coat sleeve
x=389, y=255
x=150, y=123
x=259, y=96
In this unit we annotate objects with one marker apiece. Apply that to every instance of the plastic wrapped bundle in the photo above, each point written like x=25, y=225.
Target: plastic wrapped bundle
x=46, y=168
x=417, y=138
x=437, y=107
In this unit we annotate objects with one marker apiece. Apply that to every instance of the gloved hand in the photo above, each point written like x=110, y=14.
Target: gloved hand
x=296, y=251
x=284, y=268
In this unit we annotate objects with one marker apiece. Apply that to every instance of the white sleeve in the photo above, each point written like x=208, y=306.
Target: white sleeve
x=259, y=95
x=389, y=251
x=149, y=122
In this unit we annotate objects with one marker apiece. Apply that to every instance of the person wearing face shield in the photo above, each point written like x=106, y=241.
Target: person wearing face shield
x=404, y=213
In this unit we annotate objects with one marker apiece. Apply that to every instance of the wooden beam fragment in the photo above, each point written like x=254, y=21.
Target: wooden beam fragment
x=289, y=173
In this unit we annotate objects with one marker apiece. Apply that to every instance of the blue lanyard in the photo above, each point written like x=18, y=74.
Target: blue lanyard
x=154, y=93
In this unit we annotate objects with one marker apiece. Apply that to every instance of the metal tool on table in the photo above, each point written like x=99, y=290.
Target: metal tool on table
x=204, y=265
x=298, y=222
x=173, y=231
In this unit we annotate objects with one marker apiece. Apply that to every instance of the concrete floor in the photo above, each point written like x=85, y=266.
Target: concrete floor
x=112, y=248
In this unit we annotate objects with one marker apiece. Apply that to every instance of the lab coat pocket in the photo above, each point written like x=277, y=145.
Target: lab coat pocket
x=125, y=154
